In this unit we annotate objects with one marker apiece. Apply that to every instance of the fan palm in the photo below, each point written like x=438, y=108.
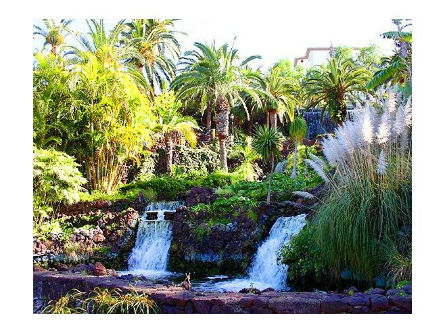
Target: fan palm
x=335, y=84
x=157, y=46
x=54, y=33
x=172, y=122
x=297, y=131
x=218, y=76
x=268, y=142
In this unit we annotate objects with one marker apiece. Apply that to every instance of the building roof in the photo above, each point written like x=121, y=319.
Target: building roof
x=310, y=49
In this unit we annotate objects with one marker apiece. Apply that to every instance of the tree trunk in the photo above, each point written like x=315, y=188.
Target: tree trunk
x=273, y=119
x=294, y=169
x=222, y=127
x=209, y=117
x=54, y=49
x=169, y=154
x=223, y=154
x=269, y=190
x=267, y=119
x=250, y=128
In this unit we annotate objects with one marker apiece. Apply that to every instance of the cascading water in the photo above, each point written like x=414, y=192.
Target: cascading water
x=265, y=271
x=149, y=256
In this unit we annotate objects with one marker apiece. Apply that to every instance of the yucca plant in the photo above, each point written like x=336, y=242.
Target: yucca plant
x=297, y=132
x=268, y=142
x=369, y=198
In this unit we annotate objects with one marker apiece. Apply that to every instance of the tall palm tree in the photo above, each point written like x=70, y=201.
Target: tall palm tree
x=172, y=122
x=297, y=131
x=268, y=142
x=54, y=33
x=219, y=75
x=335, y=84
x=158, y=49
x=109, y=50
x=282, y=98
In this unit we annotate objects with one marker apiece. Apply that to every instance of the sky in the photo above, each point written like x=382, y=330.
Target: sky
x=284, y=39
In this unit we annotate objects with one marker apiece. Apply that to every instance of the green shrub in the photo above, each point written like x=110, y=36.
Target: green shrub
x=103, y=301
x=56, y=180
x=306, y=270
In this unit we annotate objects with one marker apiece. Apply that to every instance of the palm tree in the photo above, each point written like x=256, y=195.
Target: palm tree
x=54, y=33
x=397, y=68
x=297, y=131
x=282, y=98
x=268, y=142
x=108, y=48
x=172, y=122
x=218, y=77
x=334, y=85
x=157, y=46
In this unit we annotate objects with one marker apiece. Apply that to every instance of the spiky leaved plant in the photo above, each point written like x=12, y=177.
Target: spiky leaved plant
x=369, y=198
x=267, y=142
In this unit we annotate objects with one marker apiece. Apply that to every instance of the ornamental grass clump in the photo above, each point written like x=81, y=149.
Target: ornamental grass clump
x=369, y=200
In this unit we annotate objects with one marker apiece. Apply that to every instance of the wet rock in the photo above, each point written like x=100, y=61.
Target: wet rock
x=379, y=303
x=99, y=269
x=294, y=305
x=267, y=290
x=112, y=272
x=360, y=309
x=358, y=300
x=246, y=302
x=334, y=304
x=201, y=305
x=260, y=302
x=401, y=302
x=261, y=310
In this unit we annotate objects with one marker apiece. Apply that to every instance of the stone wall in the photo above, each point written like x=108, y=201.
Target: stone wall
x=109, y=238
x=52, y=285
x=223, y=248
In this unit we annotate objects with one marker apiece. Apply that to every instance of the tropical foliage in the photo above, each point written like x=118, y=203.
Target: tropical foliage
x=335, y=85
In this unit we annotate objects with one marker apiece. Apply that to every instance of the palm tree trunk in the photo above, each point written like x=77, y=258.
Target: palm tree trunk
x=54, y=49
x=269, y=190
x=294, y=169
x=169, y=154
x=223, y=154
x=209, y=117
x=222, y=127
x=250, y=128
x=267, y=119
x=273, y=119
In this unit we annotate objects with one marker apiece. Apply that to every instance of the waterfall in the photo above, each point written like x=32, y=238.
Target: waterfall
x=150, y=253
x=265, y=271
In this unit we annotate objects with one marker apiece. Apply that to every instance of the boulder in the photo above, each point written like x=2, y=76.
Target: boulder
x=334, y=304
x=99, y=269
x=379, y=303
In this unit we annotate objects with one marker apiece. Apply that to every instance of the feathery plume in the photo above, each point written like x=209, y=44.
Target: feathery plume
x=317, y=160
x=317, y=169
x=383, y=133
x=381, y=164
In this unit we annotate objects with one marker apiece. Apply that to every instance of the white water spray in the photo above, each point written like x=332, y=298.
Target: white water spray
x=265, y=271
x=150, y=253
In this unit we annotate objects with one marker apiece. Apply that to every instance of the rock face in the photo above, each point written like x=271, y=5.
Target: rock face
x=223, y=248
x=101, y=231
x=53, y=285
